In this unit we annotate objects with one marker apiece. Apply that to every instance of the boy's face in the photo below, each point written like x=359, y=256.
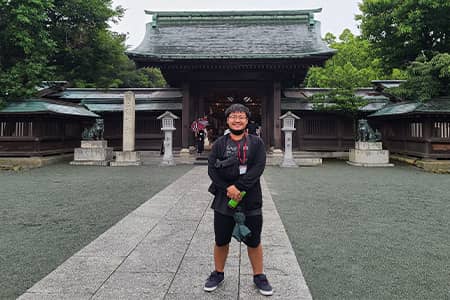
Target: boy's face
x=237, y=120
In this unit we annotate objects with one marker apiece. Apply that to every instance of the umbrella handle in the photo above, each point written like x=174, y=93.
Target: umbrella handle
x=233, y=203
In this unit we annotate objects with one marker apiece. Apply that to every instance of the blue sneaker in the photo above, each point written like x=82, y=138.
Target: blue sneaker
x=213, y=281
x=263, y=284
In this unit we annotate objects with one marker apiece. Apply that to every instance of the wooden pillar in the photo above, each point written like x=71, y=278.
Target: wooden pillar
x=426, y=138
x=264, y=121
x=339, y=131
x=185, y=116
x=276, y=114
x=201, y=106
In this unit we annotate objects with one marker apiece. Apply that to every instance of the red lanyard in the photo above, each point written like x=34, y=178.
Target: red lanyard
x=244, y=159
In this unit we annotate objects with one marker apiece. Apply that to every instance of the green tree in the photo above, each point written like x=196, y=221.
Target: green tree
x=24, y=48
x=340, y=100
x=64, y=40
x=400, y=31
x=141, y=78
x=427, y=78
x=87, y=53
x=353, y=66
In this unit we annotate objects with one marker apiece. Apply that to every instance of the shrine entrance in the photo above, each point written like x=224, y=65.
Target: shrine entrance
x=212, y=101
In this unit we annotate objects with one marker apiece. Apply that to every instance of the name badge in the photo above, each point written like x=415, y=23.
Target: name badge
x=242, y=169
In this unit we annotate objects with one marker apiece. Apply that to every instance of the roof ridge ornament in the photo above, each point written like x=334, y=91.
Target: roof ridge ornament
x=155, y=20
x=173, y=17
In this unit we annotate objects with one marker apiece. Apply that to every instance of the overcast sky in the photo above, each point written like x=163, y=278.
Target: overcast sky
x=336, y=15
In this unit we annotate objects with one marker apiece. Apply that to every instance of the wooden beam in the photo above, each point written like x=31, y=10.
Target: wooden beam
x=185, y=116
x=276, y=114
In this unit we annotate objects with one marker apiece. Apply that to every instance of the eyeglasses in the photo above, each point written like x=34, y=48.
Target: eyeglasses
x=240, y=118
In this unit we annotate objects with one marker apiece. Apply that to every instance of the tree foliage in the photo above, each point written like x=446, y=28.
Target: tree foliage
x=88, y=54
x=339, y=100
x=400, y=31
x=354, y=64
x=25, y=46
x=427, y=78
x=64, y=40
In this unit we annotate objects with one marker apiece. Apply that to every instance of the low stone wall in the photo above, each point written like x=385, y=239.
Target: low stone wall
x=18, y=163
x=429, y=165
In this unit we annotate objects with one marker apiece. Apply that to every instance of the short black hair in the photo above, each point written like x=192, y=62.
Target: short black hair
x=237, y=108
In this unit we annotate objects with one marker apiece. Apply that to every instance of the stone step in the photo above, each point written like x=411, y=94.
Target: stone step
x=319, y=154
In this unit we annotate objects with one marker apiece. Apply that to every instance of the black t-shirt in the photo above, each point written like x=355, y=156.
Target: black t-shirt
x=232, y=148
x=224, y=148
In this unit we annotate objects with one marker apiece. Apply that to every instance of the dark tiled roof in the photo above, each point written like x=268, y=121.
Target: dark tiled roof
x=117, y=94
x=46, y=106
x=437, y=105
x=232, y=35
x=111, y=100
x=298, y=98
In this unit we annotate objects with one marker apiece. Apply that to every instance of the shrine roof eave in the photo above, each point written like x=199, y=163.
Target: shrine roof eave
x=44, y=106
x=266, y=57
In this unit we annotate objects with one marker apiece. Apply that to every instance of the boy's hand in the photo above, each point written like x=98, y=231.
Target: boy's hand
x=233, y=192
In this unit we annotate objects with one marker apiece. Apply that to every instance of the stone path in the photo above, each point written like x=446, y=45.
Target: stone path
x=163, y=250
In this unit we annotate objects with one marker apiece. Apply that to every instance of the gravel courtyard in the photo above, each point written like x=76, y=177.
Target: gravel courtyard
x=48, y=214
x=367, y=233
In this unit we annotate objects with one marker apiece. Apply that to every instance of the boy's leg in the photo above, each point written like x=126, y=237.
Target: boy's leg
x=254, y=247
x=220, y=257
x=223, y=229
x=255, y=256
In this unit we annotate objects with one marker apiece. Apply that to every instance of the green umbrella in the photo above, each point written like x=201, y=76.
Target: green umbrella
x=240, y=231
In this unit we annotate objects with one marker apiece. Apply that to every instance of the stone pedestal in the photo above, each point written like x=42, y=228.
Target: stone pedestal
x=93, y=153
x=369, y=154
x=126, y=158
x=288, y=159
x=168, y=154
x=168, y=127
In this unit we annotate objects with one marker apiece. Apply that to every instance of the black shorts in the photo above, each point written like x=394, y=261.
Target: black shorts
x=223, y=229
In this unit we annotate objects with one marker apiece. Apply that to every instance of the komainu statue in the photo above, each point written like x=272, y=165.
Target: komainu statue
x=95, y=132
x=366, y=133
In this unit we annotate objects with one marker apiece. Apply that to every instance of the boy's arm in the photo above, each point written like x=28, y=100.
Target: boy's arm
x=246, y=181
x=212, y=170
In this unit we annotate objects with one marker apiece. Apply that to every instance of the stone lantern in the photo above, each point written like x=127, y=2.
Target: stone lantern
x=288, y=127
x=168, y=127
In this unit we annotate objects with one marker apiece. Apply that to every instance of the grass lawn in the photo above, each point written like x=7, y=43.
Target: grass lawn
x=367, y=233
x=48, y=214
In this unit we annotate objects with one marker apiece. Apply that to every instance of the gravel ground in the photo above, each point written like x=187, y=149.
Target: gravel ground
x=358, y=233
x=367, y=233
x=48, y=214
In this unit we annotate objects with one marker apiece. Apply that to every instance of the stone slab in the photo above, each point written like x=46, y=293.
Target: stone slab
x=288, y=163
x=125, y=163
x=369, y=165
x=49, y=296
x=94, y=144
x=307, y=162
x=104, y=163
x=93, y=154
x=369, y=156
x=134, y=285
x=127, y=156
x=368, y=145
x=77, y=277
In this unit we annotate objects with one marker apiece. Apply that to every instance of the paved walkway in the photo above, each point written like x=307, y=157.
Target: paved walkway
x=163, y=250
